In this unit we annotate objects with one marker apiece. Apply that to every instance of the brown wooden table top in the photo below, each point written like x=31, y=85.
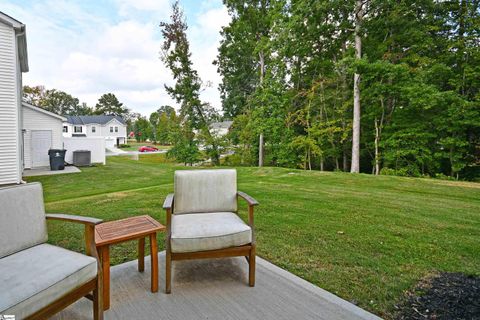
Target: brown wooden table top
x=126, y=229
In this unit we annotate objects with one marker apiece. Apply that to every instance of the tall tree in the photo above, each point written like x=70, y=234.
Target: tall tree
x=109, y=104
x=34, y=95
x=186, y=91
x=142, y=129
x=243, y=44
x=355, y=167
x=59, y=102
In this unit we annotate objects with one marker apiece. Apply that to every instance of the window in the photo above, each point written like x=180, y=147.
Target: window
x=77, y=129
x=65, y=128
x=94, y=129
x=116, y=129
x=111, y=129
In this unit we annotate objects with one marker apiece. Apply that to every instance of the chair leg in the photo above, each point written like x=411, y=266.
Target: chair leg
x=251, y=267
x=168, y=271
x=98, y=300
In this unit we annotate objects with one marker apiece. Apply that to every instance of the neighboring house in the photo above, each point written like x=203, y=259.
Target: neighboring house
x=13, y=62
x=42, y=130
x=112, y=128
x=220, y=128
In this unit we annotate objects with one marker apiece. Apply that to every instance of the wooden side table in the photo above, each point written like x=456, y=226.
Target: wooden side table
x=133, y=228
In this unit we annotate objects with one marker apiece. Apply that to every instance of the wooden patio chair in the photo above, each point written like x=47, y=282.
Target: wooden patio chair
x=38, y=279
x=202, y=220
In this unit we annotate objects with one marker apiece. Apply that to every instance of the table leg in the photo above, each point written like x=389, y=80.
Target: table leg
x=105, y=257
x=154, y=261
x=141, y=254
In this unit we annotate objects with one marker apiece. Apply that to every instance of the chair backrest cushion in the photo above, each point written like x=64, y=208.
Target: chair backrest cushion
x=199, y=191
x=22, y=218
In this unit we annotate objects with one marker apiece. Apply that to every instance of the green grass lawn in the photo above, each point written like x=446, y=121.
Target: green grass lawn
x=133, y=146
x=367, y=239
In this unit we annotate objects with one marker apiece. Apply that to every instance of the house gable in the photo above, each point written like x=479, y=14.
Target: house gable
x=114, y=122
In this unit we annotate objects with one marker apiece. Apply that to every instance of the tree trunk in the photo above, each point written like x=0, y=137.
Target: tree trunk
x=321, y=163
x=377, y=154
x=345, y=98
x=309, y=160
x=452, y=173
x=355, y=167
x=262, y=74
x=260, y=151
x=262, y=66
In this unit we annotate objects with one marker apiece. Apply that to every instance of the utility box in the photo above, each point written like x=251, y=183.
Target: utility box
x=82, y=158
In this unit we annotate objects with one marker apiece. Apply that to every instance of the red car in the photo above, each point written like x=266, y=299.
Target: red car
x=147, y=149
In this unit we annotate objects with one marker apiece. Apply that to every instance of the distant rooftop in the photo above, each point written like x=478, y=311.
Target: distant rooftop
x=101, y=119
x=221, y=125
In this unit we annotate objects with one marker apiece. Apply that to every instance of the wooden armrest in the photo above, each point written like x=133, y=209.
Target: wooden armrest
x=168, y=203
x=89, y=223
x=72, y=218
x=250, y=200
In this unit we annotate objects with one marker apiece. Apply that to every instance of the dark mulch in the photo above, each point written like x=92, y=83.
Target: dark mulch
x=443, y=296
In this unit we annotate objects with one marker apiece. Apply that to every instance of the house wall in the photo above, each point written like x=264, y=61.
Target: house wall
x=70, y=130
x=122, y=129
x=219, y=132
x=10, y=111
x=96, y=145
x=34, y=120
x=101, y=130
x=98, y=130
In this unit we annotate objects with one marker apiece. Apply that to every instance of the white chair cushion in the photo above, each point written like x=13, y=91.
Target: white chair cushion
x=22, y=218
x=33, y=278
x=208, y=231
x=205, y=191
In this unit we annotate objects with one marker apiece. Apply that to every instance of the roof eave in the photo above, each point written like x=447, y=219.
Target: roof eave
x=10, y=21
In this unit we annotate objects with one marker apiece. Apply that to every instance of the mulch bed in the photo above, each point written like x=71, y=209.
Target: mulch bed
x=443, y=296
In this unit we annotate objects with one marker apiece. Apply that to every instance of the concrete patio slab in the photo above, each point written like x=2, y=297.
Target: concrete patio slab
x=216, y=289
x=45, y=171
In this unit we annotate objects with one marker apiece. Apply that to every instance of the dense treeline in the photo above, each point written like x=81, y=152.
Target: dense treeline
x=288, y=73
x=63, y=103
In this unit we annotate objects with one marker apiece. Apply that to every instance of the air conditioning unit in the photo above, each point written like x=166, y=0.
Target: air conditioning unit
x=82, y=158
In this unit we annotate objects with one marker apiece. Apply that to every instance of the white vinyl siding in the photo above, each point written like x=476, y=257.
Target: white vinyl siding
x=108, y=130
x=10, y=134
x=38, y=121
x=93, y=133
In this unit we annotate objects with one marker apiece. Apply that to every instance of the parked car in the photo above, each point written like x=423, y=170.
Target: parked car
x=147, y=149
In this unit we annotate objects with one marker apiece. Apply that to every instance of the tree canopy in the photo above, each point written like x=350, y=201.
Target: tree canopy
x=108, y=104
x=288, y=73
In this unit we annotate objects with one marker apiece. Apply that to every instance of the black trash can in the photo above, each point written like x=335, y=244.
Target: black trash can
x=57, y=159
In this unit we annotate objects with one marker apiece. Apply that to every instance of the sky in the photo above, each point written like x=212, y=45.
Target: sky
x=88, y=48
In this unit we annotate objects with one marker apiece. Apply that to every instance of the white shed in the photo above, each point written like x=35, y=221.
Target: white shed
x=42, y=130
